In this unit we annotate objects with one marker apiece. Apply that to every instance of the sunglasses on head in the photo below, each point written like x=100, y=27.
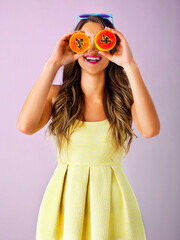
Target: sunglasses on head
x=103, y=15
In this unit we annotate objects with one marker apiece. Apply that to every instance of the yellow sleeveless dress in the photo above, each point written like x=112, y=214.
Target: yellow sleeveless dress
x=89, y=196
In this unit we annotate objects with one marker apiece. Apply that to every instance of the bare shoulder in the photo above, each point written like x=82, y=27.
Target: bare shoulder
x=54, y=90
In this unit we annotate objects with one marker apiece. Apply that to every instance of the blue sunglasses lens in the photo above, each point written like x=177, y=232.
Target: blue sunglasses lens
x=104, y=15
x=84, y=15
x=87, y=15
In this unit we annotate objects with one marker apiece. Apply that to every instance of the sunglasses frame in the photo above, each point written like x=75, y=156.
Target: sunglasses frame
x=99, y=14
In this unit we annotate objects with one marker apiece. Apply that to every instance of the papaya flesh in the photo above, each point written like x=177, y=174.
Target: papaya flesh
x=79, y=42
x=105, y=40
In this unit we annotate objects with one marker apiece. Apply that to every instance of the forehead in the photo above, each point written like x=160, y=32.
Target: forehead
x=92, y=28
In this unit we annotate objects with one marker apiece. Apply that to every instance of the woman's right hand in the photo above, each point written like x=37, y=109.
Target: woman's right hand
x=62, y=53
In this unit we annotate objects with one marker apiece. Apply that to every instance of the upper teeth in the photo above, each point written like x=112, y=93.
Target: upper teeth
x=92, y=58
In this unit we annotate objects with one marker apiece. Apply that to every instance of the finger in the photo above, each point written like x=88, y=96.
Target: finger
x=78, y=55
x=79, y=31
x=70, y=33
x=116, y=32
x=105, y=54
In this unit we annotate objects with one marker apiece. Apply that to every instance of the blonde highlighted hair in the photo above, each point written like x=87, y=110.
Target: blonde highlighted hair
x=69, y=103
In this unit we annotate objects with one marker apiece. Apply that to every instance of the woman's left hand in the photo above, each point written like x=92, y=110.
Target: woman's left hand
x=123, y=54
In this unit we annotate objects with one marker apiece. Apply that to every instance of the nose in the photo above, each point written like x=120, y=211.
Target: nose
x=92, y=47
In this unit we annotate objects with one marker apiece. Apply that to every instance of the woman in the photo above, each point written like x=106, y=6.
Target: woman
x=89, y=195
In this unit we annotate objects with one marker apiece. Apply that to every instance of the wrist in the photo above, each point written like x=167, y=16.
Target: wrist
x=54, y=64
x=130, y=64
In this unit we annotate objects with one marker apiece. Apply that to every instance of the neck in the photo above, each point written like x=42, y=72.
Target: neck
x=93, y=85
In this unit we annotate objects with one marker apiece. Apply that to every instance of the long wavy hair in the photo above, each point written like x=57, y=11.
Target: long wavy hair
x=68, y=104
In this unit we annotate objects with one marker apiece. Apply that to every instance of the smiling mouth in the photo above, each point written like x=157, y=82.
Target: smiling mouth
x=93, y=60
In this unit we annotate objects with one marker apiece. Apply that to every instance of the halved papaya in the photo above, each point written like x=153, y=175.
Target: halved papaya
x=79, y=42
x=105, y=40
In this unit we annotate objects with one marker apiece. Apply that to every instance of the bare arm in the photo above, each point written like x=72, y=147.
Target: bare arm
x=37, y=108
x=143, y=110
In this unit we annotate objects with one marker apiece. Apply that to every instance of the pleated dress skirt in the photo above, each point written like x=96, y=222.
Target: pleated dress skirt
x=89, y=196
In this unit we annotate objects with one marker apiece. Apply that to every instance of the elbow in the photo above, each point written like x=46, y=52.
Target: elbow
x=23, y=128
x=150, y=135
x=153, y=132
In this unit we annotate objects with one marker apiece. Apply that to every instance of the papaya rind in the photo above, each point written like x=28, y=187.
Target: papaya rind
x=102, y=49
x=79, y=33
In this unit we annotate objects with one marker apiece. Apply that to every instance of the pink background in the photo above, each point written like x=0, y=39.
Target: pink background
x=29, y=31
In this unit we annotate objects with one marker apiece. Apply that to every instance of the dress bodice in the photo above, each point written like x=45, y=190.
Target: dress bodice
x=89, y=145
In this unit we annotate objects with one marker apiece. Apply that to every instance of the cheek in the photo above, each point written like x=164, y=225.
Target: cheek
x=106, y=62
x=80, y=61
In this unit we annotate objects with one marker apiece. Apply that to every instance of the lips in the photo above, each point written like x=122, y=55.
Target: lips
x=92, y=59
x=93, y=56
